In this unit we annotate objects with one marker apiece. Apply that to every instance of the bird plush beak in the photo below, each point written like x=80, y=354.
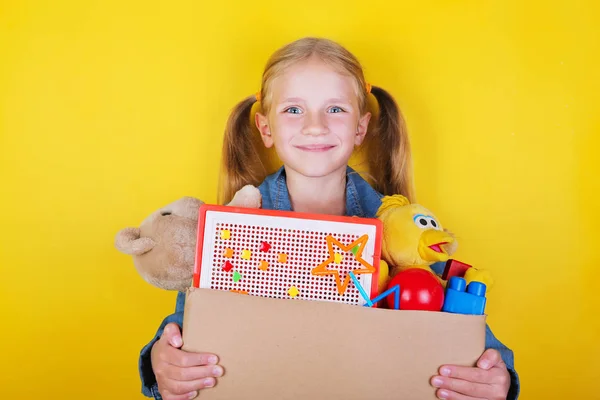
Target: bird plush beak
x=433, y=244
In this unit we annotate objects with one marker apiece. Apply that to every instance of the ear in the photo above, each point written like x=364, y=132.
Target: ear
x=262, y=123
x=128, y=241
x=248, y=196
x=361, y=130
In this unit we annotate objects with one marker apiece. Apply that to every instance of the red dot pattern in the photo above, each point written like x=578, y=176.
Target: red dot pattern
x=304, y=249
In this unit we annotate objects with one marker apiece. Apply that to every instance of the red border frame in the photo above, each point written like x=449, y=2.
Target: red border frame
x=289, y=214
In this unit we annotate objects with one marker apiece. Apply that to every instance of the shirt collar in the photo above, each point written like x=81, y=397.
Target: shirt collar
x=282, y=202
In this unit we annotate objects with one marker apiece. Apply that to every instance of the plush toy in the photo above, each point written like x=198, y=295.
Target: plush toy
x=413, y=237
x=164, y=246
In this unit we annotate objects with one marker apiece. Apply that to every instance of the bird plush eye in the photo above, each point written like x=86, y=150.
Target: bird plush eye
x=433, y=223
x=421, y=221
x=426, y=222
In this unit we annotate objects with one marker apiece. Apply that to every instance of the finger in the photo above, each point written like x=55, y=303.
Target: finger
x=187, y=387
x=166, y=395
x=489, y=359
x=182, y=358
x=470, y=374
x=172, y=335
x=193, y=373
x=477, y=390
x=450, y=395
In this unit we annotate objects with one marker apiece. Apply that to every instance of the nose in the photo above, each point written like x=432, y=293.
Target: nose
x=315, y=125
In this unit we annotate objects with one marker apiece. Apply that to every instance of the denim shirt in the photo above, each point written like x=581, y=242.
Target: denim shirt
x=362, y=201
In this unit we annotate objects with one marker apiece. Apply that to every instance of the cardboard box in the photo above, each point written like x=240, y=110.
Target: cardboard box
x=298, y=349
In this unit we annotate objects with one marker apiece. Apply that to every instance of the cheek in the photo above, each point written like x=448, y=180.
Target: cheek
x=285, y=126
x=342, y=126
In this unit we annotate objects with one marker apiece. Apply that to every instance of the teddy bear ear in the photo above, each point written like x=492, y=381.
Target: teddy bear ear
x=128, y=241
x=248, y=196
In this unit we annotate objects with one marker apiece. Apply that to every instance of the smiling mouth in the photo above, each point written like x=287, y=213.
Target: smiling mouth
x=438, y=247
x=316, y=148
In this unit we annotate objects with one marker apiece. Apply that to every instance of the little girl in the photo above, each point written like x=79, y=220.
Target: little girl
x=313, y=110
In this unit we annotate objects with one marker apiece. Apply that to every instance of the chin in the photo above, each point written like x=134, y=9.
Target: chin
x=316, y=170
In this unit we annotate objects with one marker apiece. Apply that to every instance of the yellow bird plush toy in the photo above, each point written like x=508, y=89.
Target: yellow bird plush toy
x=413, y=237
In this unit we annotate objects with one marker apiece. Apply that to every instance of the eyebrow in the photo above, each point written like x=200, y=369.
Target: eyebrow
x=292, y=100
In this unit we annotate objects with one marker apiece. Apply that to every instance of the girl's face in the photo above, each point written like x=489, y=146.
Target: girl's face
x=314, y=120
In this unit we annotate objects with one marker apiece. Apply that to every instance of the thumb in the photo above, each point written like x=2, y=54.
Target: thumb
x=172, y=335
x=490, y=358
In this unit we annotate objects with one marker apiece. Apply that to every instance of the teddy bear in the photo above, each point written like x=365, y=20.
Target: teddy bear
x=163, y=247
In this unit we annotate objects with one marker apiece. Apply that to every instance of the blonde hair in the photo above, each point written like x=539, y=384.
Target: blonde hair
x=387, y=145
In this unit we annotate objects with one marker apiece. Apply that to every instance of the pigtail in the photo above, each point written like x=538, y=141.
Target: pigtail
x=388, y=149
x=241, y=164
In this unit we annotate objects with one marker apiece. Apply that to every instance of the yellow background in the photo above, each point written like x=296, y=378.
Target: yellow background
x=110, y=109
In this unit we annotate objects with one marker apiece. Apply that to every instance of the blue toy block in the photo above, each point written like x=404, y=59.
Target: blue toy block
x=461, y=299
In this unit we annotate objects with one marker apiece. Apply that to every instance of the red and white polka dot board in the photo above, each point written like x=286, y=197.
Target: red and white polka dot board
x=288, y=255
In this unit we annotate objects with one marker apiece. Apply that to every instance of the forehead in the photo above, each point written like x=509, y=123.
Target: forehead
x=313, y=79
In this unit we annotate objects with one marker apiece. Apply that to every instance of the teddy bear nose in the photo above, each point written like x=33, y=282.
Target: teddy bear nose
x=164, y=213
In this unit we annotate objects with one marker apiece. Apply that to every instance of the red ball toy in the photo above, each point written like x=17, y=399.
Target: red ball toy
x=419, y=290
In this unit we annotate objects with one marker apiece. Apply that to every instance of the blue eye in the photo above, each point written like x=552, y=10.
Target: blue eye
x=335, y=110
x=293, y=110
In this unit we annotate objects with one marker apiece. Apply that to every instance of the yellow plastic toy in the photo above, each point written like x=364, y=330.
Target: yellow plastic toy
x=480, y=275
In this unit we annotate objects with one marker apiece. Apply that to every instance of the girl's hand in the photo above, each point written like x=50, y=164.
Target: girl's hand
x=180, y=374
x=489, y=380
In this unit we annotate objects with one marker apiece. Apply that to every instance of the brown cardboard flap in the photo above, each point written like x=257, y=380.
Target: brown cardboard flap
x=298, y=349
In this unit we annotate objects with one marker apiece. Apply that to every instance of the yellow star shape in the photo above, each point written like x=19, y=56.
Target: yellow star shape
x=321, y=269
